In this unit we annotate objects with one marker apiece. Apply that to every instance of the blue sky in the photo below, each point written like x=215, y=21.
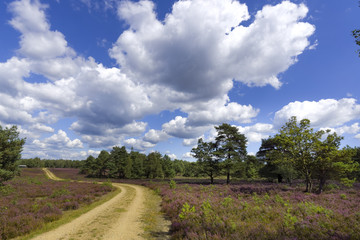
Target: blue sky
x=79, y=76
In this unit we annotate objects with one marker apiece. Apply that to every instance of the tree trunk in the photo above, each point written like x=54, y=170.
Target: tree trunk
x=321, y=185
x=211, y=179
x=308, y=185
x=228, y=177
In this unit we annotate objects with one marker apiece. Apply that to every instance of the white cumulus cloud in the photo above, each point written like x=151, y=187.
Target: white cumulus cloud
x=257, y=132
x=323, y=113
x=186, y=62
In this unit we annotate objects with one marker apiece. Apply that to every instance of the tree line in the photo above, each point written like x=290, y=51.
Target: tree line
x=119, y=163
x=49, y=163
x=295, y=152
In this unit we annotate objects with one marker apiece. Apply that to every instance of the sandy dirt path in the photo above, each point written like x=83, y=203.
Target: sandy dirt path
x=118, y=218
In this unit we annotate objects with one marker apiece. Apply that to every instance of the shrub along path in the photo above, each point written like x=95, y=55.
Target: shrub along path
x=118, y=218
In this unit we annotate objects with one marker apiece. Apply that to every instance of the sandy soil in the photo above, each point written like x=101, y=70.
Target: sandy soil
x=118, y=218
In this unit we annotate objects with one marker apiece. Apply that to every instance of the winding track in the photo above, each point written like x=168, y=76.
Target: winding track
x=118, y=218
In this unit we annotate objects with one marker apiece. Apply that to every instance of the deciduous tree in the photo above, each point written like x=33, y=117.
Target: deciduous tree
x=295, y=142
x=310, y=154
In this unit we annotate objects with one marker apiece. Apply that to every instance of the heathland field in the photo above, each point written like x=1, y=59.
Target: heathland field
x=31, y=200
x=197, y=210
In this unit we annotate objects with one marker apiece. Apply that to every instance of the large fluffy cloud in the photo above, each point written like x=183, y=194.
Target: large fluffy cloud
x=220, y=49
x=178, y=127
x=187, y=62
x=323, y=113
x=37, y=41
x=59, y=140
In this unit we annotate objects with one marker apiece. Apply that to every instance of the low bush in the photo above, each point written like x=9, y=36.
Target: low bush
x=259, y=211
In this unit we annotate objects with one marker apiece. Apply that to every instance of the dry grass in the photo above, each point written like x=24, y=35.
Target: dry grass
x=154, y=224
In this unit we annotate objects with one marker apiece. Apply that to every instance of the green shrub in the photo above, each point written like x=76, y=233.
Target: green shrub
x=172, y=184
x=347, y=182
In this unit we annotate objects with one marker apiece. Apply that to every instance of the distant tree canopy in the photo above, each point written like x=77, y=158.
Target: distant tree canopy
x=299, y=151
x=50, y=163
x=121, y=164
x=10, y=152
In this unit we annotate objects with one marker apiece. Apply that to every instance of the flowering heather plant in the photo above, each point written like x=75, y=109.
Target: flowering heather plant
x=259, y=211
x=30, y=200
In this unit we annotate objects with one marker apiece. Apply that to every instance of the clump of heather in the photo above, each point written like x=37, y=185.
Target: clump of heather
x=30, y=200
x=259, y=211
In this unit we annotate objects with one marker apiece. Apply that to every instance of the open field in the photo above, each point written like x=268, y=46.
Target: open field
x=255, y=210
x=242, y=210
x=259, y=211
x=131, y=212
x=31, y=200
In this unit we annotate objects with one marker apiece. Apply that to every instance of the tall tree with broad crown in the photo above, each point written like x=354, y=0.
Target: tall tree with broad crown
x=312, y=155
x=231, y=147
x=295, y=141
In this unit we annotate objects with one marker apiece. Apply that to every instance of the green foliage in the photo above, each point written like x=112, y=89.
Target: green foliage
x=347, y=182
x=50, y=163
x=356, y=35
x=89, y=166
x=59, y=192
x=172, y=184
x=331, y=186
x=107, y=184
x=343, y=196
x=252, y=167
x=206, y=207
x=206, y=158
x=298, y=150
x=310, y=208
x=230, y=147
x=119, y=163
x=294, y=142
x=290, y=220
x=153, y=166
x=186, y=211
x=10, y=152
x=228, y=201
x=6, y=190
x=168, y=167
x=275, y=168
x=137, y=160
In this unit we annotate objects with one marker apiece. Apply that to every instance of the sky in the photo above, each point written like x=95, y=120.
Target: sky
x=80, y=76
